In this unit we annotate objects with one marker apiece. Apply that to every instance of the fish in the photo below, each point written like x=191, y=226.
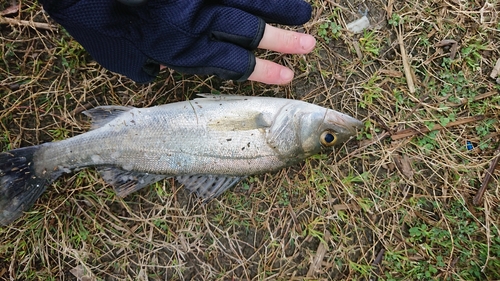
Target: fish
x=207, y=144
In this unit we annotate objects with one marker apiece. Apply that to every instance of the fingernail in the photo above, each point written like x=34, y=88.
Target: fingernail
x=307, y=42
x=286, y=74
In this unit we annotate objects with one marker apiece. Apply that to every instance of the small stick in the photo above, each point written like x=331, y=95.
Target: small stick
x=358, y=50
x=390, y=5
x=376, y=264
x=476, y=98
x=411, y=132
x=39, y=25
x=379, y=257
x=406, y=64
x=380, y=122
x=487, y=178
x=83, y=107
x=320, y=255
x=445, y=42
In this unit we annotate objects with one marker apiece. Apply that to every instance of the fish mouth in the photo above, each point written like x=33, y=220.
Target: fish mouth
x=352, y=124
x=345, y=125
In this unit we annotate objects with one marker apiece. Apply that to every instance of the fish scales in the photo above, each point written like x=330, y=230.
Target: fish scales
x=208, y=144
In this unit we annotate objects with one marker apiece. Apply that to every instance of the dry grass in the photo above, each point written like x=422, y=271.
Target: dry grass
x=381, y=207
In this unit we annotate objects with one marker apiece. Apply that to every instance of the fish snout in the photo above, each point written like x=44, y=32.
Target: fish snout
x=345, y=125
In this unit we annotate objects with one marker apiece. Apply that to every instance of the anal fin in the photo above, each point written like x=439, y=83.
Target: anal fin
x=208, y=187
x=126, y=182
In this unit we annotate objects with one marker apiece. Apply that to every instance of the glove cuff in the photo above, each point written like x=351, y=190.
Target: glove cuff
x=250, y=69
x=151, y=68
x=258, y=35
x=253, y=45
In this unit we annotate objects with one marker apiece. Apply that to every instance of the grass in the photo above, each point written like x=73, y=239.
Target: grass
x=377, y=208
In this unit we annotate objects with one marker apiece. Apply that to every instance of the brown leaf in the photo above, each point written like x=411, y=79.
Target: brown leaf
x=391, y=72
x=496, y=70
x=447, y=42
x=404, y=165
x=12, y=9
x=82, y=274
x=316, y=262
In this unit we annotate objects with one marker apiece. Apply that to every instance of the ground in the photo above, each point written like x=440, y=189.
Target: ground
x=401, y=201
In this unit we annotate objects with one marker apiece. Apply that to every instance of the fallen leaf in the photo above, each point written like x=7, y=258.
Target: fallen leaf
x=447, y=42
x=82, y=274
x=391, y=72
x=496, y=70
x=404, y=165
x=316, y=262
x=12, y=9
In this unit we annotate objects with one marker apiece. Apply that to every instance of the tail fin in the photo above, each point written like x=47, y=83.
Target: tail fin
x=19, y=186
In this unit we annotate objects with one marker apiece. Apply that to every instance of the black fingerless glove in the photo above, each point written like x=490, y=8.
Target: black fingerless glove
x=190, y=36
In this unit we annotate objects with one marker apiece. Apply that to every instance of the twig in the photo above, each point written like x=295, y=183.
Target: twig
x=355, y=44
x=406, y=64
x=380, y=122
x=294, y=219
x=390, y=5
x=487, y=178
x=32, y=24
x=81, y=108
x=376, y=139
x=476, y=98
x=411, y=132
x=376, y=265
x=320, y=255
x=378, y=258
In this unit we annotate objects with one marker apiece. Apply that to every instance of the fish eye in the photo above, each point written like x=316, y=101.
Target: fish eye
x=328, y=138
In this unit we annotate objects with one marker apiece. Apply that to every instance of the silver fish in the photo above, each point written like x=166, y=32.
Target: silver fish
x=209, y=144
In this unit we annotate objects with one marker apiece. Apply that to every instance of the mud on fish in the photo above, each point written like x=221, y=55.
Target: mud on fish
x=208, y=144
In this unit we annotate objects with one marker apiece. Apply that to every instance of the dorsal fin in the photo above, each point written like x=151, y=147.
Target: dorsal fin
x=219, y=97
x=102, y=115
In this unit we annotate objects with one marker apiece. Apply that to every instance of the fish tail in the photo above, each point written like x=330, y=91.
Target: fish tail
x=19, y=185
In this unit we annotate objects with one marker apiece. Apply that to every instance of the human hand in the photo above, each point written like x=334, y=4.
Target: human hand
x=196, y=37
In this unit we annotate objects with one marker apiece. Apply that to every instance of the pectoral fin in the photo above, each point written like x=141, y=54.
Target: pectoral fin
x=126, y=182
x=208, y=186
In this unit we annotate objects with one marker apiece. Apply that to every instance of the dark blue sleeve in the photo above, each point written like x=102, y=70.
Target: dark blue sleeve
x=194, y=37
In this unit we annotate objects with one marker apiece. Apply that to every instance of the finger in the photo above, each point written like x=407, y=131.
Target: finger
x=285, y=41
x=269, y=72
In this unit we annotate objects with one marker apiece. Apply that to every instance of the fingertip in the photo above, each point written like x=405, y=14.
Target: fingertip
x=286, y=75
x=271, y=73
x=307, y=42
x=286, y=41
